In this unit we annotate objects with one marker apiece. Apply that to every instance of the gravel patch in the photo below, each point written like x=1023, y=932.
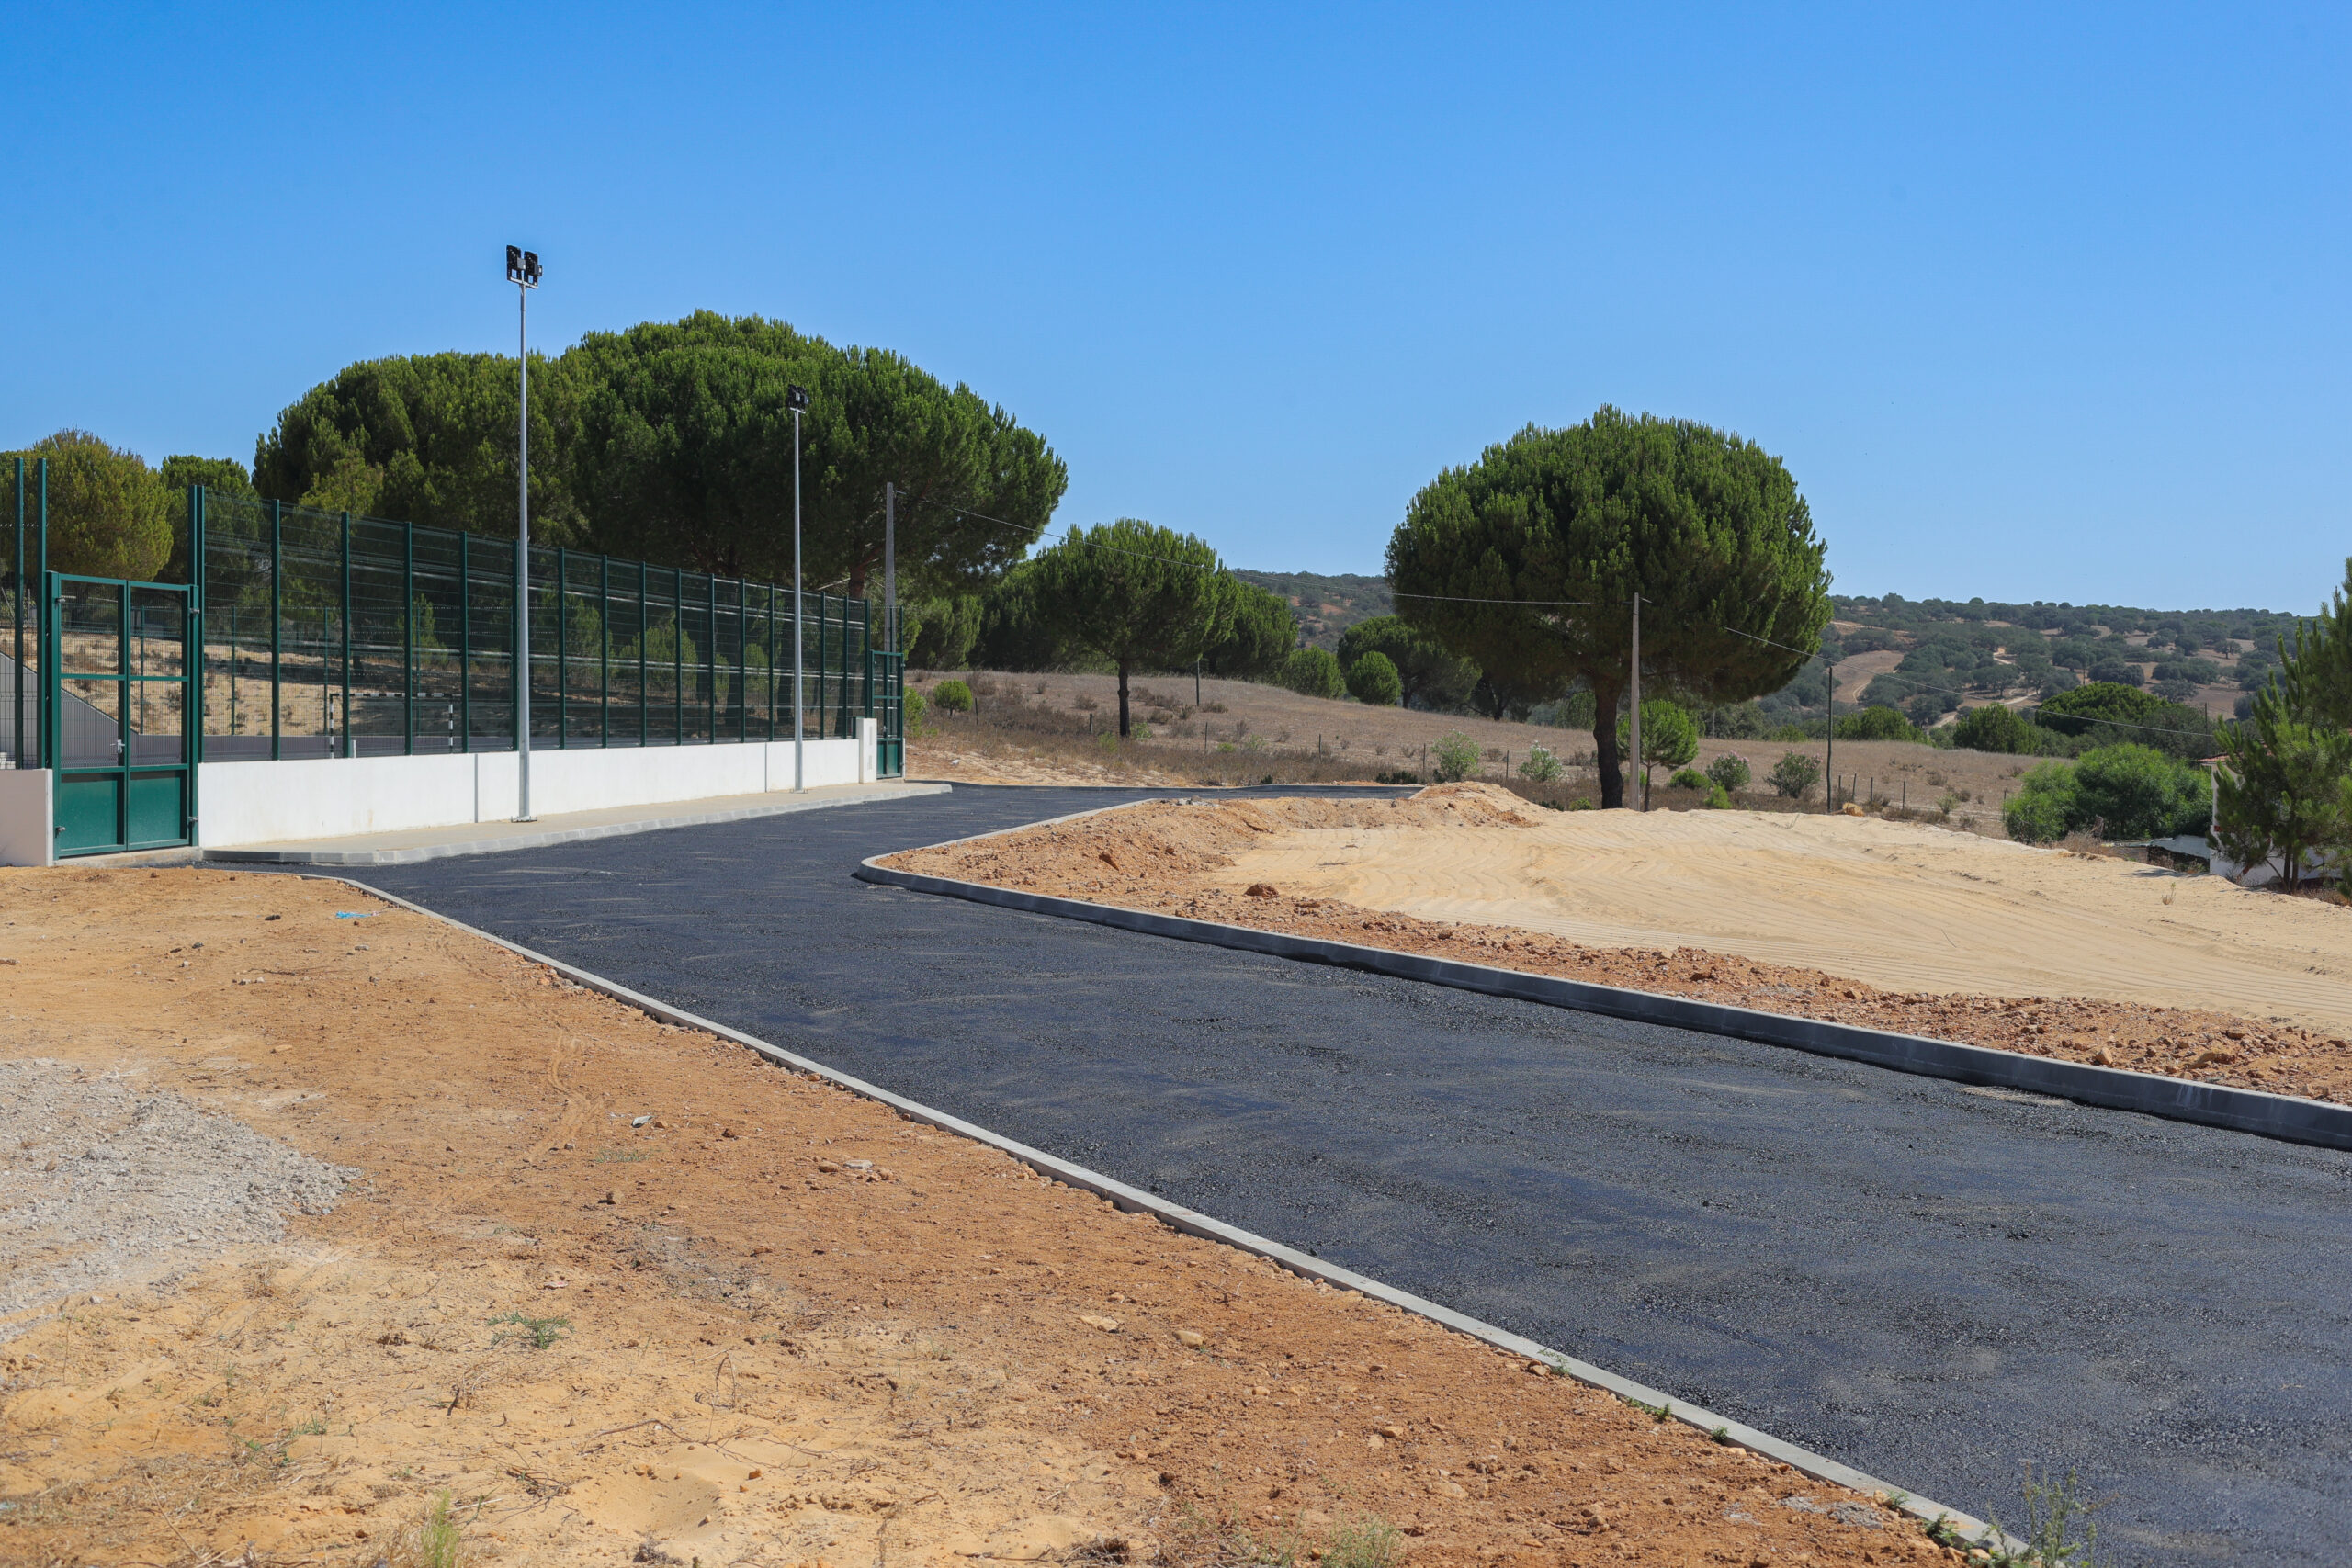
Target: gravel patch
x=102, y=1186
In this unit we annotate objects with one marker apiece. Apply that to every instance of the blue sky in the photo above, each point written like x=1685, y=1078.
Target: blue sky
x=2045, y=302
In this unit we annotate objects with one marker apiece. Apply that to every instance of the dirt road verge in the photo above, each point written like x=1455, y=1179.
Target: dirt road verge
x=1263, y=863
x=621, y=1292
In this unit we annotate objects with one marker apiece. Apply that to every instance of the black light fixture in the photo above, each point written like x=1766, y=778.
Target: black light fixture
x=795, y=398
x=522, y=267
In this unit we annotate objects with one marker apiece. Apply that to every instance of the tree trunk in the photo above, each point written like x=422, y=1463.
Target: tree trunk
x=1604, y=744
x=1123, y=699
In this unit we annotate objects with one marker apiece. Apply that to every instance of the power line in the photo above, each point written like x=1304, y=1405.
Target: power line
x=1524, y=604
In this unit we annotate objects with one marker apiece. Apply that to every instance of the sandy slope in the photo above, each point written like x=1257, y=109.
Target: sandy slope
x=1904, y=908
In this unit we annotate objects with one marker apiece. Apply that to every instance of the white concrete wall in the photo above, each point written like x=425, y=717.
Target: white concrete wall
x=28, y=836
x=260, y=803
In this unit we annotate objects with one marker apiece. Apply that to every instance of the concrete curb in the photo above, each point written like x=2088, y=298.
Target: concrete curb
x=2284, y=1117
x=1192, y=1223
x=410, y=855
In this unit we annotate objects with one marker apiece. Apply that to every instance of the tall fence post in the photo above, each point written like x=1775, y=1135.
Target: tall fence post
x=350, y=741
x=644, y=630
x=408, y=640
x=604, y=650
x=678, y=650
x=276, y=630
x=465, y=643
x=710, y=654
x=562, y=651
x=771, y=661
x=17, y=608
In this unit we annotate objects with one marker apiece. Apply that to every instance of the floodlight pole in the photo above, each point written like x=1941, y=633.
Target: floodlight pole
x=1639, y=776
x=523, y=271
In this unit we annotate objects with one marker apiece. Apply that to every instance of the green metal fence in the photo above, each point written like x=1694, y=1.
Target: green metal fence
x=330, y=634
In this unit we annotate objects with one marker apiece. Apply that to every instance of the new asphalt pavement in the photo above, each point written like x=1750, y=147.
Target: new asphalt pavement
x=1937, y=1284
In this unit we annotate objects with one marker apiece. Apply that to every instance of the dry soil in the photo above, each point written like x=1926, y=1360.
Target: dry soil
x=620, y=1293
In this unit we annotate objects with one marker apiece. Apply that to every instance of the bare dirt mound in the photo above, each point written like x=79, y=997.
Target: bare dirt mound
x=2088, y=958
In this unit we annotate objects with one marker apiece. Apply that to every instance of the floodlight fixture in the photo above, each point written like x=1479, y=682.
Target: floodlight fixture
x=795, y=398
x=522, y=267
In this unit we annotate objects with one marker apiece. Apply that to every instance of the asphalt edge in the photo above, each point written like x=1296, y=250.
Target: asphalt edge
x=2287, y=1118
x=232, y=855
x=1192, y=1223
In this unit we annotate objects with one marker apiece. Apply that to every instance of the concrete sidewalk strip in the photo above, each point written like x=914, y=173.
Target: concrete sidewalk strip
x=407, y=846
x=1192, y=1221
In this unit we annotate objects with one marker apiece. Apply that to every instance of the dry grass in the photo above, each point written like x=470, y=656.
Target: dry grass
x=1046, y=728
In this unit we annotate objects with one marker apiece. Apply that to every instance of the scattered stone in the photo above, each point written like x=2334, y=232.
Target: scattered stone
x=1107, y=1324
x=1191, y=1338
x=1262, y=890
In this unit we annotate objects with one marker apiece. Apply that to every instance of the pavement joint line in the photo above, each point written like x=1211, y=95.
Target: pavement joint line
x=414, y=854
x=1305, y=1265
x=2288, y=1118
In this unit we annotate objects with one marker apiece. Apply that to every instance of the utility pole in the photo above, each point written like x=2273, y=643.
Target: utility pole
x=1639, y=776
x=796, y=399
x=1829, y=752
x=523, y=271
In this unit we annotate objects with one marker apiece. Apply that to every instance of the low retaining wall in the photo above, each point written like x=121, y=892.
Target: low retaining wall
x=27, y=830
x=260, y=803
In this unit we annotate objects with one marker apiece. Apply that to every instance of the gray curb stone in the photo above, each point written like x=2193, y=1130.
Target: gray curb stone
x=1192, y=1223
x=2285, y=1117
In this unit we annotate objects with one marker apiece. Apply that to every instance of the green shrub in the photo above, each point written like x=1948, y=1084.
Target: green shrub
x=1878, y=724
x=1793, y=777
x=1730, y=772
x=951, y=697
x=913, y=706
x=1996, y=728
x=1454, y=757
x=2127, y=790
x=1314, y=673
x=2139, y=793
x=1541, y=766
x=1691, y=778
x=1373, y=681
x=2037, y=814
x=1718, y=799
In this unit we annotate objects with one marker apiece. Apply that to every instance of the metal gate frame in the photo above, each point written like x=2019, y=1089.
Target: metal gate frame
x=131, y=808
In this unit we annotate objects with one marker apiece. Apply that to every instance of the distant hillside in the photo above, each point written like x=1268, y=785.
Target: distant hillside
x=1932, y=657
x=1326, y=605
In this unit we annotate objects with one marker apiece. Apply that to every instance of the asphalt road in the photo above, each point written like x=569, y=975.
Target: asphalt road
x=1935, y=1284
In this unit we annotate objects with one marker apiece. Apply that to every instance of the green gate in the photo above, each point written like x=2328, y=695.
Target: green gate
x=118, y=712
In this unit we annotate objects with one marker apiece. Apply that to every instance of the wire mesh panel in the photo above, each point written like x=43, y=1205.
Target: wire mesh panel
x=328, y=634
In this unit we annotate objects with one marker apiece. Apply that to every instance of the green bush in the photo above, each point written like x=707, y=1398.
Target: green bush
x=1454, y=757
x=913, y=708
x=1691, y=778
x=1541, y=766
x=1793, y=777
x=1718, y=799
x=1373, y=681
x=1878, y=724
x=2037, y=813
x=1314, y=673
x=1730, y=772
x=1996, y=728
x=2126, y=791
x=951, y=697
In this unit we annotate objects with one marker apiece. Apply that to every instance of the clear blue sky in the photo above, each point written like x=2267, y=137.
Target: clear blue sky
x=2048, y=303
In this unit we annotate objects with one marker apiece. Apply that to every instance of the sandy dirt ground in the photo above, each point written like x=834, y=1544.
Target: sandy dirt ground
x=2087, y=957
x=602, y=1291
